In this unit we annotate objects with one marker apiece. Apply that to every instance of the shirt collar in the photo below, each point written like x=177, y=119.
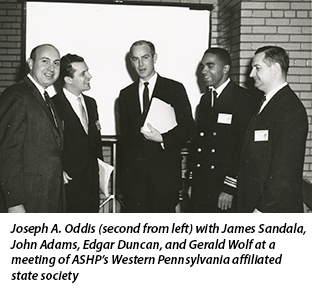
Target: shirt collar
x=38, y=86
x=274, y=91
x=221, y=88
x=151, y=82
x=70, y=96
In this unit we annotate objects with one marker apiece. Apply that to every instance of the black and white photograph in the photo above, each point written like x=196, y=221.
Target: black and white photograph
x=199, y=109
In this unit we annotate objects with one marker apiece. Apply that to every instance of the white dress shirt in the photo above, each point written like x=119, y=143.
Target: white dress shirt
x=221, y=88
x=39, y=87
x=151, y=86
x=75, y=104
x=271, y=94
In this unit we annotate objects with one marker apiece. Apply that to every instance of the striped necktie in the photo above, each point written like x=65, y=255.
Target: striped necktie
x=83, y=114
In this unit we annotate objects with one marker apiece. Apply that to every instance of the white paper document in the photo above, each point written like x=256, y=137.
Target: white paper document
x=105, y=171
x=161, y=116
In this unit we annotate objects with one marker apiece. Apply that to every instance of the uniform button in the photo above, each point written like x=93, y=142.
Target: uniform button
x=199, y=149
x=213, y=150
x=202, y=134
x=212, y=167
x=214, y=133
x=198, y=165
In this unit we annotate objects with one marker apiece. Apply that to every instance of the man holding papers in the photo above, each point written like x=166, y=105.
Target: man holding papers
x=223, y=115
x=82, y=139
x=155, y=121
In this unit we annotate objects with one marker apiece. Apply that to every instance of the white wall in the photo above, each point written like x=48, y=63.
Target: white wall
x=103, y=34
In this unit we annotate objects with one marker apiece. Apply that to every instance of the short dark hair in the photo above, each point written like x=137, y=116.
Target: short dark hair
x=274, y=54
x=67, y=69
x=141, y=42
x=222, y=54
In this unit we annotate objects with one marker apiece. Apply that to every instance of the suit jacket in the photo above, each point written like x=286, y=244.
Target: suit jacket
x=81, y=150
x=217, y=143
x=164, y=164
x=31, y=149
x=271, y=166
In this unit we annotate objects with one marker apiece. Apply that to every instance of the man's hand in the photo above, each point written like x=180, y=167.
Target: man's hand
x=17, y=209
x=225, y=201
x=153, y=135
x=66, y=177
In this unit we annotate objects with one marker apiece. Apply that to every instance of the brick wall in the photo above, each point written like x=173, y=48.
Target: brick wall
x=11, y=45
x=240, y=26
x=228, y=29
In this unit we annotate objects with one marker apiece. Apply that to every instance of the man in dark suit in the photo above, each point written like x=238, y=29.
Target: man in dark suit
x=31, y=139
x=82, y=138
x=270, y=177
x=151, y=164
x=222, y=118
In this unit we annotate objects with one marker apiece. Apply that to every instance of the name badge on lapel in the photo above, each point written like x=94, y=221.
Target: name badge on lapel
x=98, y=125
x=261, y=135
x=224, y=118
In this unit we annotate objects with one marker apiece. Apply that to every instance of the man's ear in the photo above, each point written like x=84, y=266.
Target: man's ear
x=30, y=63
x=226, y=68
x=67, y=80
x=155, y=57
x=277, y=68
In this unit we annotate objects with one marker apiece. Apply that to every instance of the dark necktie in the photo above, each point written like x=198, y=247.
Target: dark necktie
x=145, y=97
x=48, y=103
x=263, y=99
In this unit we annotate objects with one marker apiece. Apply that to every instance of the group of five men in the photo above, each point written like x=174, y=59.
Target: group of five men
x=245, y=156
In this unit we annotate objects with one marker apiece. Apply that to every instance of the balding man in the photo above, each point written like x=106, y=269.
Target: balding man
x=31, y=139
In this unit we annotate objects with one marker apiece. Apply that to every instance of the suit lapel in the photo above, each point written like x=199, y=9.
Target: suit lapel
x=69, y=113
x=37, y=96
x=158, y=87
x=91, y=111
x=260, y=118
x=134, y=103
x=223, y=101
x=156, y=93
x=134, y=99
x=225, y=98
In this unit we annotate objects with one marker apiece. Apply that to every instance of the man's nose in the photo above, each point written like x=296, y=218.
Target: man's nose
x=251, y=73
x=51, y=67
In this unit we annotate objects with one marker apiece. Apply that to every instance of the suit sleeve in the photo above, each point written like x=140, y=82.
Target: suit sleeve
x=122, y=118
x=13, y=126
x=288, y=148
x=186, y=125
x=246, y=110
